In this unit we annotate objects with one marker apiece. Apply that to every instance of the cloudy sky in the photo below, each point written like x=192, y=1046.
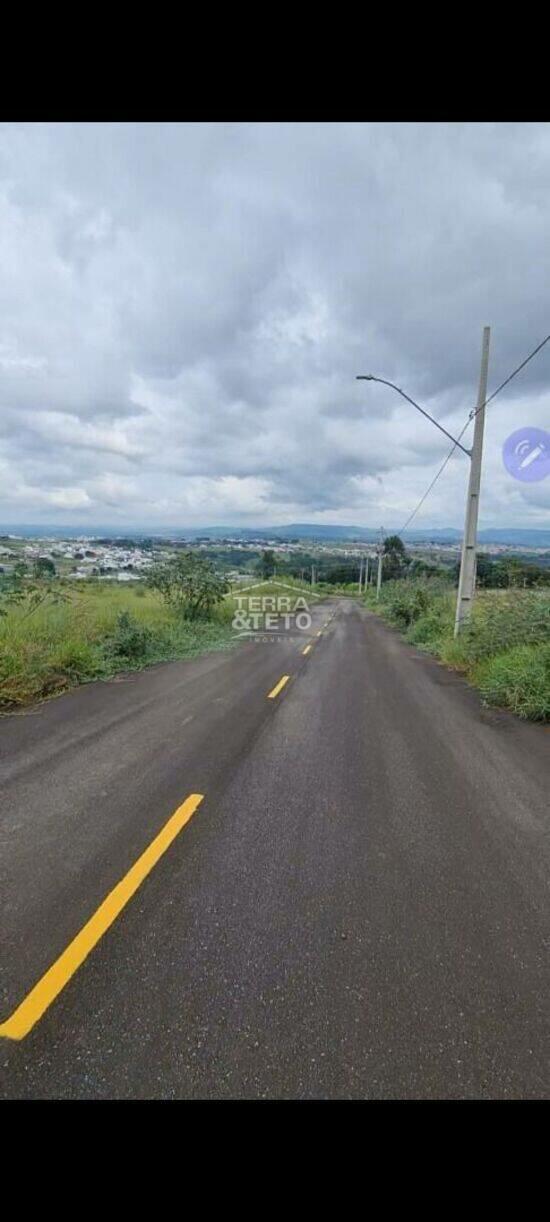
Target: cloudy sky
x=184, y=308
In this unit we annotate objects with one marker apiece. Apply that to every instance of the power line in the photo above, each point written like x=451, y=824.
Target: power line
x=471, y=417
x=508, y=379
x=428, y=490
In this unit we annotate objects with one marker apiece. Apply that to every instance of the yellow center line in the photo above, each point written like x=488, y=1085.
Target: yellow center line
x=307, y=649
x=320, y=632
x=278, y=687
x=58, y=975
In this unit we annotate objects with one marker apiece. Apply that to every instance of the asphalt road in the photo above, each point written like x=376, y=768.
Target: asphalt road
x=357, y=909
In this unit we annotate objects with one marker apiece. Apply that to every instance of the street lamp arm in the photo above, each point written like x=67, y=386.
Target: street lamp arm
x=369, y=377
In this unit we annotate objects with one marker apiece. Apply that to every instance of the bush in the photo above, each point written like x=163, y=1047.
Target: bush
x=130, y=639
x=518, y=679
x=404, y=602
x=189, y=584
x=435, y=624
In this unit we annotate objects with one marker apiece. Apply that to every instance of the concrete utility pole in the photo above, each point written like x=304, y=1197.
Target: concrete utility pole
x=379, y=574
x=313, y=575
x=361, y=576
x=467, y=579
x=366, y=571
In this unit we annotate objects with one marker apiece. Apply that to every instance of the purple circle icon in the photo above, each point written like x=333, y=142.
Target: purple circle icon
x=526, y=454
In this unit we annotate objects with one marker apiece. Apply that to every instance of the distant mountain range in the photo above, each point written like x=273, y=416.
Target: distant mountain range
x=520, y=536
x=304, y=530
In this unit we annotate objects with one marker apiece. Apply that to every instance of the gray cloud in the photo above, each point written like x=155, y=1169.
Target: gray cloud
x=183, y=310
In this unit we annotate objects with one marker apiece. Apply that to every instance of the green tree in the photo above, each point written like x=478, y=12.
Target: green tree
x=395, y=556
x=509, y=573
x=513, y=575
x=266, y=563
x=189, y=584
x=43, y=567
x=429, y=571
x=485, y=575
x=394, y=543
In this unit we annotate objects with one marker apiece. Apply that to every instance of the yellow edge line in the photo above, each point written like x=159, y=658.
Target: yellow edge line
x=54, y=980
x=307, y=649
x=277, y=688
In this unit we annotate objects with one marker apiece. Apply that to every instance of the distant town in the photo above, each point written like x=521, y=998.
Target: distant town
x=127, y=558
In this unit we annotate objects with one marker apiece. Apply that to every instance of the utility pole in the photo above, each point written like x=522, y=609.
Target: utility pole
x=366, y=572
x=467, y=579
x=379, y=575
x=312, y=575
x=361, y=576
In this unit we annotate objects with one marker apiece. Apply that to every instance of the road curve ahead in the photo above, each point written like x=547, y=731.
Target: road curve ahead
x=276, y=872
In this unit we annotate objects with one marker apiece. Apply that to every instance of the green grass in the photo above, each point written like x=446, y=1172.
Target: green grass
x=504, y=650
x=104, y=628
x=518, y=679
x=73, y=642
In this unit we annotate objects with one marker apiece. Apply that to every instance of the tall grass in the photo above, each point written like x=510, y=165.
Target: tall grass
x=518, y=679
x=99, y=630
x=103, y=628
x=504, y=649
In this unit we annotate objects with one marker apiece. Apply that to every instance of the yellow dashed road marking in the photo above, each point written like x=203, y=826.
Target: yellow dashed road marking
x=278, y=687
x=54, y=980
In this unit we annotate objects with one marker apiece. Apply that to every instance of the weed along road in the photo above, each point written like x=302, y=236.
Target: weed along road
x=308, y=867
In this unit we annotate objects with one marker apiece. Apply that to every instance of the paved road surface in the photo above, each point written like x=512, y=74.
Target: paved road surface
x=357, y=909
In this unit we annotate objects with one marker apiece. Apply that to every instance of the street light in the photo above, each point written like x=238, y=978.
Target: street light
x=467, y=579
x=369, y=377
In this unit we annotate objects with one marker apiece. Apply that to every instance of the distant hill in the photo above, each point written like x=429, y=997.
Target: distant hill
x=523, y=538
x=520, y=536
x=310, y=530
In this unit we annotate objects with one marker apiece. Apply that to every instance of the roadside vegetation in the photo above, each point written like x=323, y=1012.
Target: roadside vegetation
x=504, y=650
x=56, y=632
x=54, y=636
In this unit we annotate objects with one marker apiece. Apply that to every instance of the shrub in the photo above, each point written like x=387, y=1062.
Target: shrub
x=130, y=639
x=189, y=584
x=435, y=624
x=404, y=602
